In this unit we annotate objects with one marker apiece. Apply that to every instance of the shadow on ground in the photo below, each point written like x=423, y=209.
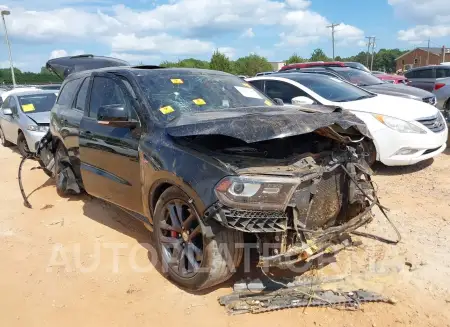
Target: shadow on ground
x=383, y=170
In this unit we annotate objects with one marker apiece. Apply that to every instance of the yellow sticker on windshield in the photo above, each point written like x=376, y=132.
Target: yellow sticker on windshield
x=199, y=102
x=166, y=110
x=28, y=107
x=246, y=84
x=176, y=81
x=268, y=103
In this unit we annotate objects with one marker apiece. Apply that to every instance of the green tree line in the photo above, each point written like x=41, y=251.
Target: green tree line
x=384, y=60
x=43, y=77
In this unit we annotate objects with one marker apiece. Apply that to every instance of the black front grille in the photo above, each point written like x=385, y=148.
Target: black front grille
x=256, y=221
x=430, y=100
x=435, y=124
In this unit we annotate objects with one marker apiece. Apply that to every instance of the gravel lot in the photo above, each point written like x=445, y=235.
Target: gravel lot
x=58, y=267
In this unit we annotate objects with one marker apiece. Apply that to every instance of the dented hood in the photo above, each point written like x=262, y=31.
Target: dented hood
x=263, y=123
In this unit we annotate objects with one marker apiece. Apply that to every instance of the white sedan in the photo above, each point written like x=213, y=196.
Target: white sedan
x=404, y=131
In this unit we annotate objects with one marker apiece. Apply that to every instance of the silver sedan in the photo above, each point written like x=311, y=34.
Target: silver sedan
x=25, y=117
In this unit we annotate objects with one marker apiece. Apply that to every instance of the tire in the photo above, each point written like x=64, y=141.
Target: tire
x=3, y=140
x=219, y=258
x=22, y=145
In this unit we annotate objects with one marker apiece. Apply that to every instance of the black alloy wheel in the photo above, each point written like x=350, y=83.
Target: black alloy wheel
x=22, y=145
x=181, y=238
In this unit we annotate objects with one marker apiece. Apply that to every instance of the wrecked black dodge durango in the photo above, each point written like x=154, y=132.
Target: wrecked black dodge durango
x=202, y=158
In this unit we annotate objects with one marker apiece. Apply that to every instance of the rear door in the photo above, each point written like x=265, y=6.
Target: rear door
x=109, y=155
x=423, y=78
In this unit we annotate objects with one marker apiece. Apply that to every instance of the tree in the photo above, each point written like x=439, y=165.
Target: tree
x=220, y=61
x=294, y=59
x=319, y=55
x=338, y=58
x=252, y=64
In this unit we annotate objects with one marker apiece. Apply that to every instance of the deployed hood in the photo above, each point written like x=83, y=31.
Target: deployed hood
x=406, y=109
x=399, y=90
x=262, y=123
x=65, y=66
x=40, y=117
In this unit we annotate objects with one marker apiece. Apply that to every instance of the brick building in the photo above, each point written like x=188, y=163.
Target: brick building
x=418, y=58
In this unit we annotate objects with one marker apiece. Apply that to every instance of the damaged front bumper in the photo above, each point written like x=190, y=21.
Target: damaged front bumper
x=329, y=203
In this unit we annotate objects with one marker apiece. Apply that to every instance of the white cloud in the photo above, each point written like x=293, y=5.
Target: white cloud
x=248, y=33
x=136, y=58
x=63, y=53
x=177, y=27
x=228, y=51
x=161, y=43
x=432, y=17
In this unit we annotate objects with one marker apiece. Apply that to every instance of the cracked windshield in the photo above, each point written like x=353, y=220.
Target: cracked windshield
x=242, y=162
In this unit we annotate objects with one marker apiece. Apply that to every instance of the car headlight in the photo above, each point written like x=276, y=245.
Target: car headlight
x=256, y=192
x=399, y=125
x=37, y=128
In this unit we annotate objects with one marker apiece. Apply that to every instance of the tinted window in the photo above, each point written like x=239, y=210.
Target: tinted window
x=358, y=77
x=106, y=92
x=258, y=84
x=422, y=73
x=68, y=92
x=6, y=103
x=13, y=105
x=442, y=72
x=331, y=88
x=283, y=91
x=37, y=102
x=82, y=94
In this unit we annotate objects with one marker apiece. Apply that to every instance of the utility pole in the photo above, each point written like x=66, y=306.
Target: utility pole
x=428, y=52
x=373, y=52
x=333, y=26
x=369, y=44
x=6, y=12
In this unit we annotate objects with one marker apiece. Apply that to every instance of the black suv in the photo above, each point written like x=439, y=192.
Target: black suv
x=201, y=157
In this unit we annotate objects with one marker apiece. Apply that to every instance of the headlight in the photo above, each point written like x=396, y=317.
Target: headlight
x=37, y=128
x=256, y=192
x=399, y=125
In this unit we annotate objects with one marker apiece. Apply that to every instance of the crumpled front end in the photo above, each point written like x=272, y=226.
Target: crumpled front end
x=298, y=209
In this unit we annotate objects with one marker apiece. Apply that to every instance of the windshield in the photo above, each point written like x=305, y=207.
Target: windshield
x=332, y=88
x=183, y=91
x=37, y=102
x=358, y=77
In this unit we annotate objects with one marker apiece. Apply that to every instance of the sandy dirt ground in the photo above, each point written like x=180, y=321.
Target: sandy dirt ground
x=81, y=262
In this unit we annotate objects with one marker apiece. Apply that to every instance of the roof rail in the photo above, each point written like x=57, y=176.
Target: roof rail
x=147, y=67
x=83, y=56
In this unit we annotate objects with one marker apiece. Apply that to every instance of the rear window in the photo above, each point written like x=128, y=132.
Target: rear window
x=37, y=102
x=68, y=92
x=420, y=73
x=442, y=72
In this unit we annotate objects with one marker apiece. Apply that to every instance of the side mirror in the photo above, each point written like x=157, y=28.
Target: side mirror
x=302, y=101
x=7, y=112
x=278, y=101
x=114, y=115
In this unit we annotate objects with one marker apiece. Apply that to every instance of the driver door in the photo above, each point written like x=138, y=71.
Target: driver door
x=9, y=123
x=110, y=155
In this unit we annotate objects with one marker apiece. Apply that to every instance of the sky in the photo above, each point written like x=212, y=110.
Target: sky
x=151, y=31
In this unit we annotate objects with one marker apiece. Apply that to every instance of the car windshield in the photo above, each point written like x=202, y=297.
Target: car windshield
x=184, y=91
x=331, y=88
x=37, y=102
x=357, y=76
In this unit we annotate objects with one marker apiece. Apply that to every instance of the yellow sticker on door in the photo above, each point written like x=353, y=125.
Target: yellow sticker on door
x=28, y=107
x=199, y=102
x=176, y=81
x=166, y=110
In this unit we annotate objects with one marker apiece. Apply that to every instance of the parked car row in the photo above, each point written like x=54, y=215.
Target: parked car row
x=203, y=157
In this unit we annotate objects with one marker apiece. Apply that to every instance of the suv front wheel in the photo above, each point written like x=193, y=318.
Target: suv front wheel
x=189, y=258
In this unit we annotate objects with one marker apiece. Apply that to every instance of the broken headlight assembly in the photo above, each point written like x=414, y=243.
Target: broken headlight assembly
x=256, y=192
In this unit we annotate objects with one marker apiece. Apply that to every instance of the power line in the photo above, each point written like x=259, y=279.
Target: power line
x=333, y=26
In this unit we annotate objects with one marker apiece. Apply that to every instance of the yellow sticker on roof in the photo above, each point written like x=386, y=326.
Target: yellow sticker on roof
x=268, y=103
x=28, y=107
x=166, y=110
x=199, y=102
x=246, y=84
x=176, y=81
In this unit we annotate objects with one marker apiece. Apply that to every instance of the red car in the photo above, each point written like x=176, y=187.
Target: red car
x=394, y=79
